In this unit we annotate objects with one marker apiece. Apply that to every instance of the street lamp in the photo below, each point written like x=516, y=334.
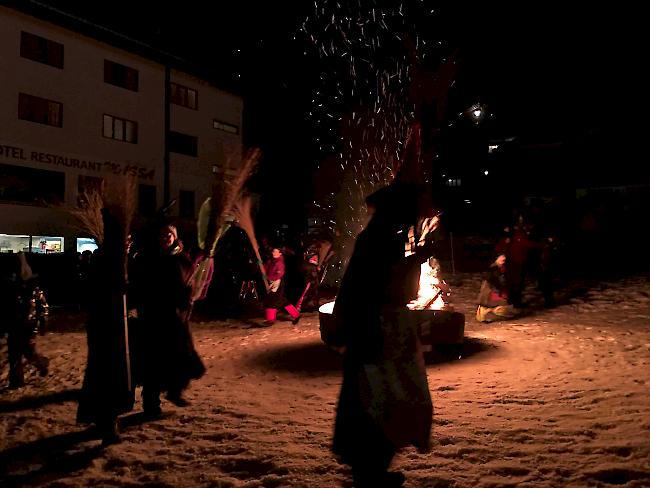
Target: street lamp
x=476, y=112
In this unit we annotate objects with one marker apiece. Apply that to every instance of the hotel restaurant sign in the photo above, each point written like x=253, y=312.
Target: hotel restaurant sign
x=21, y=154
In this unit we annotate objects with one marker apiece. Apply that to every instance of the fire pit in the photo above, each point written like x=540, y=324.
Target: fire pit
x=437, y=322
x=437, y=327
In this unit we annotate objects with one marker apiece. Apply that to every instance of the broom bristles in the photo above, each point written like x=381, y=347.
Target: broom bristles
x=245, y=219
x=243, y=214
x=89, y=217
x=236, y=187
x=233, y=195
x=120, y=194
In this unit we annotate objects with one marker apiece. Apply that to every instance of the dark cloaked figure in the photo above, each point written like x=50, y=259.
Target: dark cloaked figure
x=107, y=390
x=169, y=358
x=26, y=310
x=308, y=300
x=384, y=403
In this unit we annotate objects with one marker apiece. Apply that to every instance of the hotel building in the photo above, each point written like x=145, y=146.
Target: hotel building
x=80, y=104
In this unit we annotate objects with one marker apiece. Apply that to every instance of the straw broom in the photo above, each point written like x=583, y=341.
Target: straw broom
x=219, y=213
x=89, y=217
x=244, y=217
x=233, y=194
x=118, y=197
x=119, y=193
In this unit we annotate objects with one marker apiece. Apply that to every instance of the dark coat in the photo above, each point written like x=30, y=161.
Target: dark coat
x=107, y=390
x=169, y=357
x=384, y=396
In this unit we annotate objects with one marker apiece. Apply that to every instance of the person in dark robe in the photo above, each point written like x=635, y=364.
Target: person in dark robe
x=169, y=358
x=107, y=391
x=308, y=301
x=384, y=403
x=25, y=299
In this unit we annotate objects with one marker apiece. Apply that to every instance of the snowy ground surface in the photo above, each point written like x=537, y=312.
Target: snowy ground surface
x=558, y=398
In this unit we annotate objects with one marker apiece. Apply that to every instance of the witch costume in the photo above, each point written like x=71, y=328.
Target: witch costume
x=169, y=358
x=107, y=390
x=384, y=403
x=25, y=311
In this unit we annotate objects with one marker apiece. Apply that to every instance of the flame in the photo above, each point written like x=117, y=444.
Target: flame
x=432, y=291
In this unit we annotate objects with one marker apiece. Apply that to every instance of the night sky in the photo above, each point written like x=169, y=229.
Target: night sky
x=546, y=73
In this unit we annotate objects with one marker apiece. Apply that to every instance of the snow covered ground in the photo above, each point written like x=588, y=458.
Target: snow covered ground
x=557, y=398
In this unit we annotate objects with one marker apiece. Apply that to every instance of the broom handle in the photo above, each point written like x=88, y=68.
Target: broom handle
x=302, y=297
x=262, y=270
x=222, y=230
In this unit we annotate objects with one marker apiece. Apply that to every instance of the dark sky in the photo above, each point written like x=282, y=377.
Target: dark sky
x=533, y=61
x=544, y=71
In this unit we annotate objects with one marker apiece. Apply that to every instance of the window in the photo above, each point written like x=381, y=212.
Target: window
x=47, y=244
x=184, y=96
x=86, y=244
x=120, y=129
x=11, y=243
x=453, y=182
x=224, y=126
x=120, y=75
x=146, y=199
x=14, y=243
x=31, y=185
x=183, y=144
x=186, y=204
x=87, y=186
x=41, y=110
x=42, y=50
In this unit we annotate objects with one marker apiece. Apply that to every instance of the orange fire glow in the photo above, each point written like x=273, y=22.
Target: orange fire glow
x=433, y=291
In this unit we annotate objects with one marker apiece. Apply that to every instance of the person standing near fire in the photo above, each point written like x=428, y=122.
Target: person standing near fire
x=384, y=403
x=275, y=298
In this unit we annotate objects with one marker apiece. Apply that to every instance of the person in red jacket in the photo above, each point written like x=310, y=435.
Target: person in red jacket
x=517, y=255
x=275, y=298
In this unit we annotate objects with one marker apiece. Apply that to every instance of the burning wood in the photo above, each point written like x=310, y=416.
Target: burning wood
x=433, y=291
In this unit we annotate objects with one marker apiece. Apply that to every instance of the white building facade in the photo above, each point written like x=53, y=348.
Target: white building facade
x=75, y=111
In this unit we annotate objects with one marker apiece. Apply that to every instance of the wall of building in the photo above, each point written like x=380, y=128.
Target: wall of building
x=79, y=147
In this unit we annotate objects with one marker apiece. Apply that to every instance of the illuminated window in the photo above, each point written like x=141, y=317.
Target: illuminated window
x=86, y=244
x=120, y=75
x=120, y=129
x=224, y=126
x=184, y=96
x=453, y=182
x=42, y=50
x=14, y=243
x=47, y=244
x=41, y=110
